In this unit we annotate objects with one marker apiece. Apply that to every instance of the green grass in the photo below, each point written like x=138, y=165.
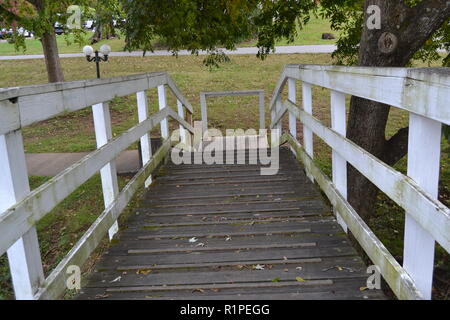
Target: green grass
x=74, y=132
x=65, y=45
x=309, y=35
x=60, y=229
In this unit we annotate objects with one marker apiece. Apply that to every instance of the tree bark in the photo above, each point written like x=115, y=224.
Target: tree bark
x=404, y=31
x=51, y=54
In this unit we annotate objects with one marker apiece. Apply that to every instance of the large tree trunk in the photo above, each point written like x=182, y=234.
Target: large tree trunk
x=54, y=70
x=403, y=31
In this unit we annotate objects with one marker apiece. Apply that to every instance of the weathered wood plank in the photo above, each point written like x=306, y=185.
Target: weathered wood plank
x=397, y=278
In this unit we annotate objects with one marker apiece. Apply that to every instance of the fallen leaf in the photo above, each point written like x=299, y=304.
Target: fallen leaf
x=192, y=240
x=116, y=279
x=102, y=296
x=277, y=279
x=286, y=270
x=198, y=290
x=300, y=279
x=144, y=271
x=363, y=288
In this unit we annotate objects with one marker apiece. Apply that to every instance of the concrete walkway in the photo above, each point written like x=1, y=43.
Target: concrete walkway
x=50, y=164
x=250, y=50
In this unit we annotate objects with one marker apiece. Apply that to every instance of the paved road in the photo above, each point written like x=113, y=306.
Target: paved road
x=50, y=164
x=250, y=50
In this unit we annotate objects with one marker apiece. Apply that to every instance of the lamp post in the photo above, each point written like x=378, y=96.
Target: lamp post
x=97, y=56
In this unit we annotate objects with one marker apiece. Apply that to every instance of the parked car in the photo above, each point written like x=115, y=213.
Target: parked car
x=25, y=33
x=59, y=28
x=89, y=24
x=5, y=33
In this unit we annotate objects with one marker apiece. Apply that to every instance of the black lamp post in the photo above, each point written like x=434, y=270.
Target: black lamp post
x=94, y=56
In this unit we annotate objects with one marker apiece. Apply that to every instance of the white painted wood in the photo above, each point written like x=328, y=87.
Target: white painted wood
x=204, y=112
x=173, y=87
x=16, y=221
x=421, y=91
x=339, y=165
x=54, y=285
x=293, y=97
x=262, y=111
x=424, y=149
x=396, y=277
x=277, y=123
x=308, y=139
x=162, y=105
x=103, y=134
x=181, y=115
x=431, y=214
x=38, y=103
x=146, y=142
x=24, y=255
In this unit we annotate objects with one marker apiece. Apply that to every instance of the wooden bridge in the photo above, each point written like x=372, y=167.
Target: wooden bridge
x=249, y=223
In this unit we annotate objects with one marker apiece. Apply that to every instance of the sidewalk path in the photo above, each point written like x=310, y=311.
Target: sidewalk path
x=250, y=50
x=50, y=164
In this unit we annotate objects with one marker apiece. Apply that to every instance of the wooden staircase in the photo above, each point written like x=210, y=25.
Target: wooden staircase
x=228, y=232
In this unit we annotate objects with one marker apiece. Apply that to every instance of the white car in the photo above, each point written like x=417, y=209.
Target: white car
x=89, y=24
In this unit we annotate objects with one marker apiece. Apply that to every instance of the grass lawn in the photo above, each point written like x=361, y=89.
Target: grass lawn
x=311, y=34
x=74, y=132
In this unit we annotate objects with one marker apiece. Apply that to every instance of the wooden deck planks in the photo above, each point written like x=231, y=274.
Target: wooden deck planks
x=225, y=232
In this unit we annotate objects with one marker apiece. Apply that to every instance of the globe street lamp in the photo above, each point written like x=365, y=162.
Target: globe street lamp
x=97, y=58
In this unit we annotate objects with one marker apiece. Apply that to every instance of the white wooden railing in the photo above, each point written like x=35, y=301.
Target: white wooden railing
x=425, y=94
x=21, y=209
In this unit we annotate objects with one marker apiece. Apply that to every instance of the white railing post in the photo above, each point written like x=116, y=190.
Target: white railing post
x=162, y=105
x=103, y=134
x=339, y=165
x=276, y=130
x=146, y=143
x=204, y=112
x=24, y=256
x=293, y=97
x=181, y=114
x=308, y=140
x=424, y=149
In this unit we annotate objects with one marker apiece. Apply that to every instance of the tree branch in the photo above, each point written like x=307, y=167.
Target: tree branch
x=396, y=147
x=428, y=16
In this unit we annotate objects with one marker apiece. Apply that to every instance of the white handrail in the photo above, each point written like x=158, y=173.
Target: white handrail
x=22, y=209
x=423, y=91
x=425, y=94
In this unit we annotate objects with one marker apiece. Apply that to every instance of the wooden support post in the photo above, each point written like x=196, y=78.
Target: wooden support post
x=24, y=256
x=146, y=143
x=204, y=112
x=181, y=114
x=423, y=167
x=293, y=97
x=308, y=140
x=262, y=111
x=339, y=124
x=103, y=134
x=163, y=104
x=276, y=131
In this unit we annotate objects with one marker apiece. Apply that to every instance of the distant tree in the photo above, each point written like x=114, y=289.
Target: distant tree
x=412, y=29
x=39, y=17
x=107, y=14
